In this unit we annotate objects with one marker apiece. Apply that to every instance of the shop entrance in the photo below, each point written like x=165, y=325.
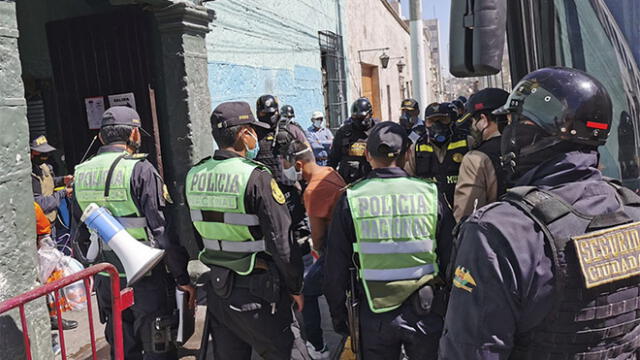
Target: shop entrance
x=100, y=61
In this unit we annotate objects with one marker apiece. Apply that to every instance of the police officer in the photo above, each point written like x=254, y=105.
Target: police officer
x=274, y=142
x=348, y=148
x=400, y=228
x=240, y=213
x=136, y=196
x=437, y=155
x=538, y=275
x=410, y=119
x=44, y=181
x=481, y=180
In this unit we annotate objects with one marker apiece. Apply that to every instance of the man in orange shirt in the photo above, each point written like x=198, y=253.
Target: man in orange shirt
x=324, y=187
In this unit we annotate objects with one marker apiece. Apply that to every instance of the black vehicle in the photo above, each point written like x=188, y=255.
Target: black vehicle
x=600, y=37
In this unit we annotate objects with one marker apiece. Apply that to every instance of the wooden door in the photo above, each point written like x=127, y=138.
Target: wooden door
x=371, y=88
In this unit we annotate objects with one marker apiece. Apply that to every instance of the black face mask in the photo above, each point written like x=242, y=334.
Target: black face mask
x=39, y=160
x=440, y=133
x=363, y=123
x=407, y=121
x=515, y=138
x=271, y=119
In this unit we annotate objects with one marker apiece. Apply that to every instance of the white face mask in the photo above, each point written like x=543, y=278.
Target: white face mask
x=317, y=123
x=292, y=174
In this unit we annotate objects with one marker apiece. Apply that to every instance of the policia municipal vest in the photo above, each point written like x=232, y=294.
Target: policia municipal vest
x=491, y=148
x=46, y=187
x=596, y=314
x=446, y=173
x=353, y=164
x=105, y=180
x=395, y=223
x=215, y=194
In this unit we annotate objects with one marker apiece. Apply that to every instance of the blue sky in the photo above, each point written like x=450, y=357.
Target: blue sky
x=439, y=9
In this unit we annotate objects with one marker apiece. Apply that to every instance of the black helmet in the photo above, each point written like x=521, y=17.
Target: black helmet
x=267, y=109
x=568, y=104
x=361, y=108
x=463, y=99
x=440, y=109
x=287, y=111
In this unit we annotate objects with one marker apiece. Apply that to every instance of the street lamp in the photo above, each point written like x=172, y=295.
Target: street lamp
x=401, y=64
x=384, y=58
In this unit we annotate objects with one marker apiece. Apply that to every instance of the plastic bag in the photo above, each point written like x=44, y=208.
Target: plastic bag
x=48, y=259
x=75, y=294
x=52, y=266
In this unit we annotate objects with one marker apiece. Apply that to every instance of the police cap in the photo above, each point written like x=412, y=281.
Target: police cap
x=121, y=115
x=409, y=105
x=487, y=99
x=41, y=145
x=387, y=140
x=234, y=113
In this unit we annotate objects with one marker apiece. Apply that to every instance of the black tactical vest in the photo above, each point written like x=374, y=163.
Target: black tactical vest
x=353, y=164
x=271, y=147
x=445, y=174
x=491, y=148
x=596, y=314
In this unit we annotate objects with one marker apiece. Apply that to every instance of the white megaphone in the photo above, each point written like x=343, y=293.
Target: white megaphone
x=136, y=257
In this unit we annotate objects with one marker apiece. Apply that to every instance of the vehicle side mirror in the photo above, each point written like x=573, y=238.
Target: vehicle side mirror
x=477, y=37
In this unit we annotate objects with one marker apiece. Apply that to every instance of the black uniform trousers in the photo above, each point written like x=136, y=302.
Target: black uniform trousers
x=384, y=335
x=153, y=297
x=236, y=332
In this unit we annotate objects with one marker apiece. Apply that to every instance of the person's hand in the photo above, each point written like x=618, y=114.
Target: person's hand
x=69, y=191
x=191, y=291
x=68, y=179
x=299, y=301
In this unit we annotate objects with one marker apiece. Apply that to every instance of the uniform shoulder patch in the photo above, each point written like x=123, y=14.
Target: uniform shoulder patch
x=457, y=157
x=463, y=280
x=277, y=194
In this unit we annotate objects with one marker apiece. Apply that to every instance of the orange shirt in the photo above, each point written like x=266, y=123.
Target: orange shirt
x=322, y=192
x=43, y=225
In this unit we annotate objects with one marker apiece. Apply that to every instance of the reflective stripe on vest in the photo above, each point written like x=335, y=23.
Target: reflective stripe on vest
x=235, y=247
x=230, y=218
x=90, y=183
x=215, y=194
x=395, y=221
x=457, y=145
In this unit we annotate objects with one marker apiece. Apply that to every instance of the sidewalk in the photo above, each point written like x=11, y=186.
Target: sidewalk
x=79, y=347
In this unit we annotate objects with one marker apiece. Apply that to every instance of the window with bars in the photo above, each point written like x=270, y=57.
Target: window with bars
x=333, y=77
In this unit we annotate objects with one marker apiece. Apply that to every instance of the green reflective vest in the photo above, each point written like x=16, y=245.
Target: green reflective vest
x=215, y=194
x=90, y=182
x=395, y=223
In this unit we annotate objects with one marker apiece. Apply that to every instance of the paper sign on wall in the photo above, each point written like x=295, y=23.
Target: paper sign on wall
x=95, y=109
x=126, y=99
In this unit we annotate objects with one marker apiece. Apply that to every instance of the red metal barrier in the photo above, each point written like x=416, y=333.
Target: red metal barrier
x=121, y=300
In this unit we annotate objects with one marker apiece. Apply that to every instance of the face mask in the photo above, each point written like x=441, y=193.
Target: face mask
x=317, y=123
x=40, y=159
x=363, y=123
x=253, y=153
x=516, y=137
x=271, y=119
x=407, y=121
x=292, y=174
x=477, y=130
x=440, y=133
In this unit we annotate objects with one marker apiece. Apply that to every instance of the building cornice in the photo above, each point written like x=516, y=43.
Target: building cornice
x=396, y=15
